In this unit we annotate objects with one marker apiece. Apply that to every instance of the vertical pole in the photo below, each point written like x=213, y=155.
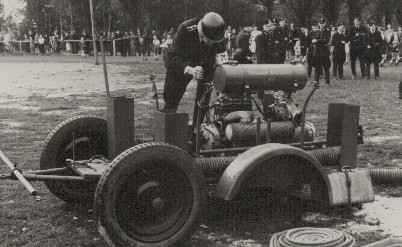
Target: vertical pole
x=258, y=135
x=20, y=46
x=114, y=47
x=104, y=66
x=61, y=21
x=93, y=31
x=268, y=134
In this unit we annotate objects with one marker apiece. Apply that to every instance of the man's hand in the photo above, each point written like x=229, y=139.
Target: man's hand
x=314, y=41
x=197, y=72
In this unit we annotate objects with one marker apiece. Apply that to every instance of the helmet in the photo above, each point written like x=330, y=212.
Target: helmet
x=213, y=27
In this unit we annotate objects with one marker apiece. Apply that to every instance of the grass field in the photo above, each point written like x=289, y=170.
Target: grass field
x=40, y=92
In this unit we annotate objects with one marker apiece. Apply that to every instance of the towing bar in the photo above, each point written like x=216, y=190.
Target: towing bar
x=18, y=174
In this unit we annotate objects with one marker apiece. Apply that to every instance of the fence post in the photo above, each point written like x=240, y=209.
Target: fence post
x=20, y=46
x=114, y=47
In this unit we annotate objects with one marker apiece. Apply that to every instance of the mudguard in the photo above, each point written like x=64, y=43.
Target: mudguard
x=252, y=160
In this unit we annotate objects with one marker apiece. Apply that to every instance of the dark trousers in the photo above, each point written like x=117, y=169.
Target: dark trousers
x=354, y=55
x=41, y=48
x=337, y=69
x=376, y=69
x=309, y=69
x=321, y=64
x=281, y=55
x=174, y=89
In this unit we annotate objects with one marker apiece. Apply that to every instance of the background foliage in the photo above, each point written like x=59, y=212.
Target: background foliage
x=110, y=15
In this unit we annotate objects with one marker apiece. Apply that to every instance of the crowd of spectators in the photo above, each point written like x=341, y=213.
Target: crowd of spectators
x=317, y=45
x=126, y=43
x=292, y=46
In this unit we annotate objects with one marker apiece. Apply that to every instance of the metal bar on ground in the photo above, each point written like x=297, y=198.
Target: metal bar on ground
x=18, y=174
x=104, y=67
x=49, y=171
x=35, y=177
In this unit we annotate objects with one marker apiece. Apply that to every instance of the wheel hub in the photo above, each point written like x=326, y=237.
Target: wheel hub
x=158, y=204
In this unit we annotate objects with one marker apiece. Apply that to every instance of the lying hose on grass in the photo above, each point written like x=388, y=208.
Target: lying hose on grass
x=306, y=236
x=386, y=176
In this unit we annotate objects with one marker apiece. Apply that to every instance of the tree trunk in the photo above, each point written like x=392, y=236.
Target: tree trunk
x=269, y=4
x=225, y=11
x=330, y=10
x=353, y=10
x=398, y=11
x=388, y=9
x=303, y=9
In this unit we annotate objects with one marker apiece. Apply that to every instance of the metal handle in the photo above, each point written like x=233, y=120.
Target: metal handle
x=18, y=174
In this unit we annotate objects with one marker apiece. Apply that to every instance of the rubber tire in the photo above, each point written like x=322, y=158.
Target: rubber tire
x=127, y=161
x=92, y=127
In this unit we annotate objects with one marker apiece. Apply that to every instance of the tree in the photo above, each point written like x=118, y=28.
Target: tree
x=269, y=5
x=330, y=10
x=387, y=8
x=355, y=8
x=1, y=16
x=398, y=11
x=303, y=9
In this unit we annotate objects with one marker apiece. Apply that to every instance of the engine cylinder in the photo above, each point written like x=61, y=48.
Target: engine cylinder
x=259, y=77
x=247, y=132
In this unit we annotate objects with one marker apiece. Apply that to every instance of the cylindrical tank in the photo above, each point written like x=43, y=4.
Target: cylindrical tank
x=233, y=78
x=282, y=131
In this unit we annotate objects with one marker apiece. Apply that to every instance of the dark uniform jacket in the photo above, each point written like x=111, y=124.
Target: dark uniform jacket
x=374, y=41
x=294, y=36
x=265, y=48
x=188, y=50
x=338, y=42
x=321, y=48
x=356, y=37
x=243, y=44
x=305, y=43
x=282, y=35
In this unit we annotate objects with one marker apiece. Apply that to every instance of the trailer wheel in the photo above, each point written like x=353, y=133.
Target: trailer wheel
x=90, y=139
x=151, y=195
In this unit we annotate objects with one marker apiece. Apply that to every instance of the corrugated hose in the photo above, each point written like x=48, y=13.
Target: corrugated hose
x=317, y=237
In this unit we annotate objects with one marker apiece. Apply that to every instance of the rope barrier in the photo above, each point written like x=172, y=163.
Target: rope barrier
x=317, y=237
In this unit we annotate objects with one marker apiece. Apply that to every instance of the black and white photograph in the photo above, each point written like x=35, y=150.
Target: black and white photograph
x=200, y=123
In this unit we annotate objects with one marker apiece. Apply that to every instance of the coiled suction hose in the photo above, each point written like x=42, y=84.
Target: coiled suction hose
x=306, y=236
x=386, y=176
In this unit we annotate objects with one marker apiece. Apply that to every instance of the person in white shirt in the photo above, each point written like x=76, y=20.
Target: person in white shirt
x=41, y=44
x=156, y=44
x=253, y=35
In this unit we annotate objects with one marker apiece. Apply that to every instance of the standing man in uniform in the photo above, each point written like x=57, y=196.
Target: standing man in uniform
x=356, y=36
x=294, y=36
x=192, y=55
x=373, y=42
x=265, y=44
x=282, y=34
x=338, y=42
x=310, y=48
x=320, y=57
x=243, y=46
